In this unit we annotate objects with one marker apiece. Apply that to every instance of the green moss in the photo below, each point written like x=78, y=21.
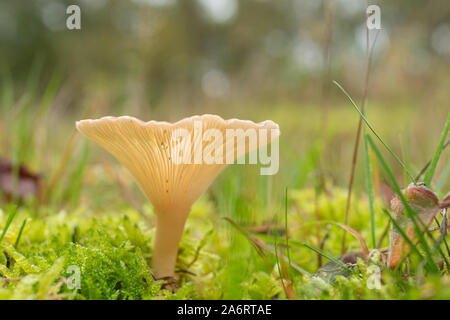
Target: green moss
x=111, y=253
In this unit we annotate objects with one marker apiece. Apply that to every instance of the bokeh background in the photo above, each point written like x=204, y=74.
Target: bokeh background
x=255, y=59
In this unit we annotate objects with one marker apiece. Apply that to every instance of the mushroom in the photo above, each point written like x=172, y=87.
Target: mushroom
x=159, y=156
x=425, y=203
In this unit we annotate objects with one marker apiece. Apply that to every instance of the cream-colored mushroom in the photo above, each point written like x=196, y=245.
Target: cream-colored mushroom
x=148, y=150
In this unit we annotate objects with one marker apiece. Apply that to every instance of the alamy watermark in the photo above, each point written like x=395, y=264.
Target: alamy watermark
x=374, y=279
x=74, y=279
x=373, y=17
x=73, y=21
x=212, y=146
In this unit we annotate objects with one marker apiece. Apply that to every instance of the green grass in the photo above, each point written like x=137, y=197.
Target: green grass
x=370, y=192
x=432, y=168
x=248, y=237
x=375, y=133
x=411, y=213
x=12, y=213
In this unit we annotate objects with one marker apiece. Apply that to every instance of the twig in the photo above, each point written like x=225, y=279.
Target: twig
x=8, y=280
x=266, y=228
x=429, y=162
x=358, y=133
x=383, y=235
x=322, y=244
x=329, y=10
x=443, y=229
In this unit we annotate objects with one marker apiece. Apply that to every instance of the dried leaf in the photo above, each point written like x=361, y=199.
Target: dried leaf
x=24, y=184
x=445, y=203
x=425, y=203
x=362, y=242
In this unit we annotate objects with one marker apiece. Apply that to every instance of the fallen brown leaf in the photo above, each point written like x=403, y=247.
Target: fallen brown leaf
x=423, y=201
x=25, y=184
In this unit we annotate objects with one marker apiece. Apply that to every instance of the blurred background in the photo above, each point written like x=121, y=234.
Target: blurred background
x=247, y=59
x=255, y=59
x=184, y=54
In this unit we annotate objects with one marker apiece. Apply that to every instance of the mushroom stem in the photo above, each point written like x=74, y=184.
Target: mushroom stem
x=169, y=229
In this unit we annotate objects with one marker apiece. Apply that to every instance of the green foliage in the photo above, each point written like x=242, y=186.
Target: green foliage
x=430, y=172
x=87, y=225
x=363, y=117
x=12, y=214
x=113, y=251
x=262, y=286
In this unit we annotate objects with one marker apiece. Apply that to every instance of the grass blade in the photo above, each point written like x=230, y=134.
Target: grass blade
x=286, y=226
x=432, y=168
x=370, y=193
x=261, y=245
x=402, y=233
x=336, y=261
x=425, y=168
x=409, y=210
x=369, y=50
x=362, y=242
x=12, y=214
x=374, y=132
x=20, y=232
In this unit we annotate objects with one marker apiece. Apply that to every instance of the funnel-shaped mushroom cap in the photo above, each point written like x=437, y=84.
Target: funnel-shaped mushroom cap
x=147, y=149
